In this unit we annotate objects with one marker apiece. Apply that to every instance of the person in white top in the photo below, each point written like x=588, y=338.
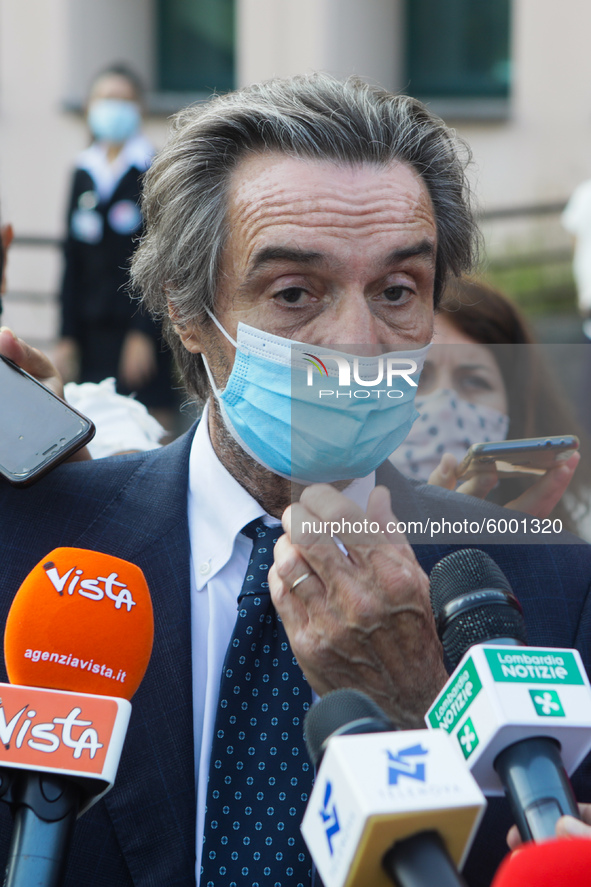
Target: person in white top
x=103, y=332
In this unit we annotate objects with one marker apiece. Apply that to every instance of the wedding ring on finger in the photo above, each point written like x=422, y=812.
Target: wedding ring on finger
x=299, y=581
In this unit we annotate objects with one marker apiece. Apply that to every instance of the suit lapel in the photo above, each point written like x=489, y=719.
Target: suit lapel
x=152, y=805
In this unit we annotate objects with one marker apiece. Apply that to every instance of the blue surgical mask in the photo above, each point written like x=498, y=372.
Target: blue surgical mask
x=113, y=120
x=313, y=414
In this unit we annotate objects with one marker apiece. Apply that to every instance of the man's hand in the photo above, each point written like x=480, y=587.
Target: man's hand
x=538, y=500
x=566, y=827
x=361, y=619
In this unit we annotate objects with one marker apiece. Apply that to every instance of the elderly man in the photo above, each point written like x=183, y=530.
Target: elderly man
x=304, y=211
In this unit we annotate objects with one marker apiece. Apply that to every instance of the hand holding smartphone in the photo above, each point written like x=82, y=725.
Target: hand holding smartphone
x=38, y=429
x=516, y=458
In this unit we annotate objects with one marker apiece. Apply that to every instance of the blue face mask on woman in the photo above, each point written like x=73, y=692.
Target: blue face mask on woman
x=113, y=120
x=312, y=414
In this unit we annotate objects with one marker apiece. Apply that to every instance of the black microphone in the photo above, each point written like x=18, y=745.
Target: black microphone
x=344, y=712
x=392, y=806
x=473, y=603
x=510, y=707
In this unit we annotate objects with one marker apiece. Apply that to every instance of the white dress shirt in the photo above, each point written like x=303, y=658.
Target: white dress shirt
x=218, y=508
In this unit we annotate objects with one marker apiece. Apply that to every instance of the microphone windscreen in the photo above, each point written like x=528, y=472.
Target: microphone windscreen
x=342, y=711
x=473, y=603
x=81, y=621
x=561, y=863
x=464, y=572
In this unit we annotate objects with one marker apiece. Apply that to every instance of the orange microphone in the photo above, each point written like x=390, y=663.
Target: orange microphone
x=81, y=621
x=77, y=643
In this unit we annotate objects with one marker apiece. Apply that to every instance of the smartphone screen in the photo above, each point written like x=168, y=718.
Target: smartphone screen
x=38, y=430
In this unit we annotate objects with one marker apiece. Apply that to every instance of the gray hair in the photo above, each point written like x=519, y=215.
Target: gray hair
x=316, y=116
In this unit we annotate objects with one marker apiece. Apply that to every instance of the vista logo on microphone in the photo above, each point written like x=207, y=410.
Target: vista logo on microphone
x=49, y=735
x=68, y=733
x=94, y=589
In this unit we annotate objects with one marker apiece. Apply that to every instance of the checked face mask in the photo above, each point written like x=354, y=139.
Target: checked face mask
x=447, y=424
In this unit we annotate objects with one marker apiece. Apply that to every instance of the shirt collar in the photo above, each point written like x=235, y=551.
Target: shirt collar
x=219, y=506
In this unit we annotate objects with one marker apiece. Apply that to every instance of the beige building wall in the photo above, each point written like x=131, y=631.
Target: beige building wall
x=280, y=39
x=537, y=154
x=544, y=149
x=49, y=50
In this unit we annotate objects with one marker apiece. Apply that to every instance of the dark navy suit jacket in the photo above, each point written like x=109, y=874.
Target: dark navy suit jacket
x=142, y=834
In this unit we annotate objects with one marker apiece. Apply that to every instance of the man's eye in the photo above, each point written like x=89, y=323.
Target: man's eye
x=397, y=294
x=292, y=295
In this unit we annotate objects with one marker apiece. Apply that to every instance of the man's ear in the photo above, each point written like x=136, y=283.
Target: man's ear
x=190, y=336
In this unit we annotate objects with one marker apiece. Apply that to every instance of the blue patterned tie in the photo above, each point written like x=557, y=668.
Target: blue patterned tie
x=260, y=776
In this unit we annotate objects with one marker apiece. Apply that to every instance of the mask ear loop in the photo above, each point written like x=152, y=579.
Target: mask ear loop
x=221, y=329
x=214, y=388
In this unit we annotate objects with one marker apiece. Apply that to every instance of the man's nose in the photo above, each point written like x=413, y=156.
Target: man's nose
x=354, y=322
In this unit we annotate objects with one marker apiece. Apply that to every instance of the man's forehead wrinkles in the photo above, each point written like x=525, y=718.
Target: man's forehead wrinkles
x=257, y=224
x=292, y=217
x=361, y=204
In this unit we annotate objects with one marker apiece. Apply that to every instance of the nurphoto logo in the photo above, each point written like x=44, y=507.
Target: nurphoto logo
x=367, y=373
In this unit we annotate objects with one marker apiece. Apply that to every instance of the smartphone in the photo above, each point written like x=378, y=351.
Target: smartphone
x=514, y=458
x=38, y=429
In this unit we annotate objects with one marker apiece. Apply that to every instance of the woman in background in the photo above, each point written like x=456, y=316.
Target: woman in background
x=476, y=387
x=103, y=332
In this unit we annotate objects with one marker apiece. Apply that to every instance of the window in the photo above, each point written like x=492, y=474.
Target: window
x=195, y=45
x=458, y=49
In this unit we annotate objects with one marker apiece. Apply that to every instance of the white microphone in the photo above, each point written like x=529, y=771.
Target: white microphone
x=521, y=716
x=386, y=806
